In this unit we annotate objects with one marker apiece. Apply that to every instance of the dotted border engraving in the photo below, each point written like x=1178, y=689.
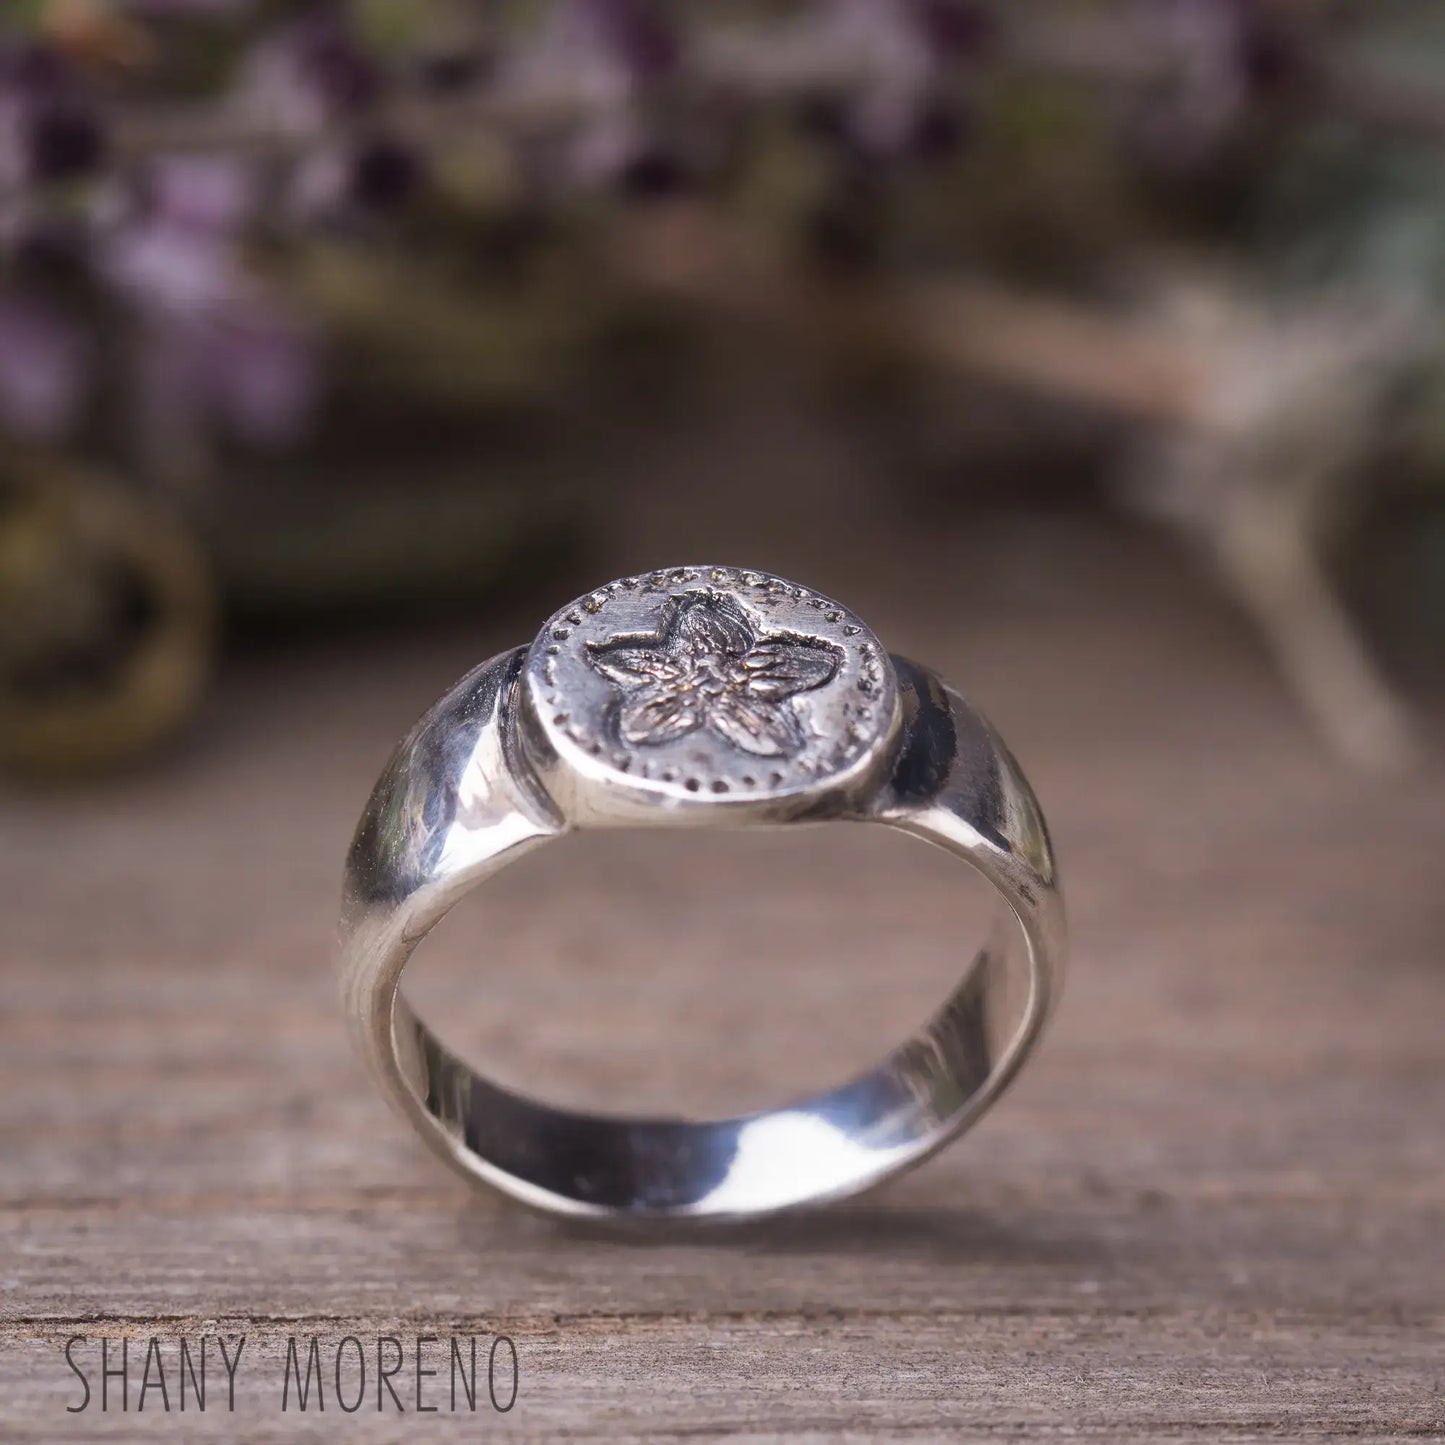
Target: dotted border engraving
x=863, y=708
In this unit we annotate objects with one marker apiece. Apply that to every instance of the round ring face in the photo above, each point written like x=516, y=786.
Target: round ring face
x=703, y=685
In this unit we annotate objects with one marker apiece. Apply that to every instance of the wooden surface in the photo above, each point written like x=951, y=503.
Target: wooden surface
x=1211, y=1208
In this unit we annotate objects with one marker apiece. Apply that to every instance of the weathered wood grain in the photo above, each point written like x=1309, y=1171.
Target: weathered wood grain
x=1213, y=1208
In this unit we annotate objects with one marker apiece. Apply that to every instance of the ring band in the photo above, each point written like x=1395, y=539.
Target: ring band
x=697, y=696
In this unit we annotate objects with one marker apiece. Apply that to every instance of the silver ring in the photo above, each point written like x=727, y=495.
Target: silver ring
x=697, y=696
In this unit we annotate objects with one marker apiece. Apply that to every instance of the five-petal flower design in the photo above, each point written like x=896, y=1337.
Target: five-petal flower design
x=709, y=667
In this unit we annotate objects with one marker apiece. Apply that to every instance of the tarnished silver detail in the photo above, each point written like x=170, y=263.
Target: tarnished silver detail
x=664, y=694
x=697, y=696
x=709, y=667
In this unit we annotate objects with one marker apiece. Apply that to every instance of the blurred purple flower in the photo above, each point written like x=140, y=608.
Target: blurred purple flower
x=903, y=56
x=599, y=53
x=250, y=370
x=956, y=29
x=50, y=130
x=1217, y=57
x=600, y=59
x=215, y=348
x=44, y=371
x=341, y=183
x=308, y=75
x=639, y=32
x=259, y=374
x=206, y=193
x=160, y=265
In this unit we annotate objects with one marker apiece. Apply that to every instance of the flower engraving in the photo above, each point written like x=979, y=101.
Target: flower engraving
x=708, y=667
